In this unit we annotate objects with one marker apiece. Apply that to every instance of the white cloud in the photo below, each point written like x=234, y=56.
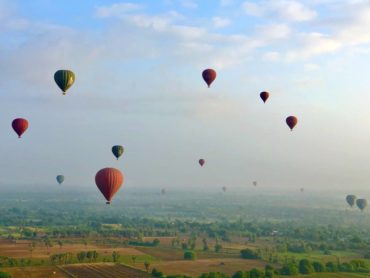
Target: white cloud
x=273, y=31
x=289, y=10
x=117, y=9
x=224, y=3
x=220, y=22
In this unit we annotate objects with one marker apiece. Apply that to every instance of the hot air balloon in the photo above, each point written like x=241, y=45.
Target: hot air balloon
x=163, y=191
x=361, y=204
x=117, y=151
x=224, y=188
x=64, y=79
x=60, y=179
x=201, y=162
x=255, y=183
x=109, y=181
x=291, y=121
x=264, y=96
x=209, y=75
x=351, y=200
x=20, y=126
x=302, y=190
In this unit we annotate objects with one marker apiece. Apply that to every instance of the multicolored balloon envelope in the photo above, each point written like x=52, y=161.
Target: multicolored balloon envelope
x=209, y=75
x=64, y=79
x=109, y=181
x=20, y=126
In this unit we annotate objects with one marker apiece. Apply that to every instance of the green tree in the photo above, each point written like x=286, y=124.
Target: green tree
x=305, y=267
x=205, y=244
x=5, y=275
x=255, y=273
x=240, y=274
x=248, y=254
x=289, y=269
x=81, y=256
x=318, y=266
x=190, y=255
x=218, y=247
x=115, y=256
x=147, y=265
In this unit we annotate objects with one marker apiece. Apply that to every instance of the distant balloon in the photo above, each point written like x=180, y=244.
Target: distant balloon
x=361, y=204
x=224, y=188
x=64, y=79
x=163, y=191
x=264, y=96
x=60, y=179
x=351, y=200
x=291, y=121
x=302, y=189
x=117, y=151
x=202, y=162
x=109, y=181
x=209, y=75
x=255, y=183
x=20, y=126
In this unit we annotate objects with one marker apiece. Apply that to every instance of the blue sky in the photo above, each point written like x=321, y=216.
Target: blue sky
x=138, y=83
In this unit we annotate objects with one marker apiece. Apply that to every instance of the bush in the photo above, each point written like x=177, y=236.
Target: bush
x=305, y=267
x=255, y=273
x=331, y=267
x=318, y=267
x=240, y=274
x=289, y=269
x=190, y=255
x=248, y=254
x=5, y=275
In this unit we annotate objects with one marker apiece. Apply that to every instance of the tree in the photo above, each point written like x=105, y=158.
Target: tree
x=5, y=275
x=115, y=256
x=133, y=258
x=289, y=269
x=205, y=244
x=213, y=275
x=305, y=267
x=190, y=255
x=81, y=256
x=331, y=267
x=255, y=273
x=218, y=247
x=60, y=243
x=147, y=265
x=248, y=254
x=318, y=266
x=241, y=274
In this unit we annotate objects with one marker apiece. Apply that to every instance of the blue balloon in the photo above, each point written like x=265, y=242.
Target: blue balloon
x=60, y=179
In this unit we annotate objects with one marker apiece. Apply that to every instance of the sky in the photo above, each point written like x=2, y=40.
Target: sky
x=138, y=83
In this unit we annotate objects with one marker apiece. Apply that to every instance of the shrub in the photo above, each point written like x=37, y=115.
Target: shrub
x=305, y=267
x=318, y=267
x=190, y=255
x=248, y=254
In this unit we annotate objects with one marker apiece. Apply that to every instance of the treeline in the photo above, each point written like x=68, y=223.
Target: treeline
x=304, y=266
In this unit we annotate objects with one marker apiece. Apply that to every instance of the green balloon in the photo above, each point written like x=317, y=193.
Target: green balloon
x=117, y=151
x=64, y=79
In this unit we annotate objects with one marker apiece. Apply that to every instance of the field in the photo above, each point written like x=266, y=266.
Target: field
x=104, y=271
x=195, y=268
x=35, y=272
x=21, y=249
